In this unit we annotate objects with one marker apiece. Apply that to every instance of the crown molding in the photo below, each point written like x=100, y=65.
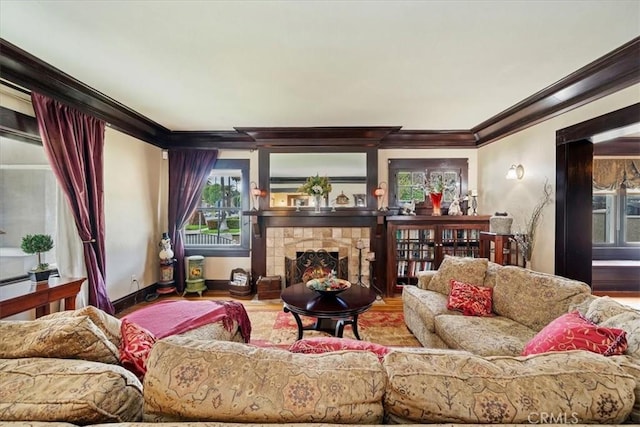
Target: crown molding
x=31, y=73
x=610, y=73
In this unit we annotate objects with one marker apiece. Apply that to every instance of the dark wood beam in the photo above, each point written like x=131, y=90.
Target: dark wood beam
x=615, y=71
x=429, y=139
x=616, y=119
x=16, y=125
x=26, y=70
x=621, y=147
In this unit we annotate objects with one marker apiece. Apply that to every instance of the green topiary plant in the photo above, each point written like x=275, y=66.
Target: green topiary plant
x=37, y=244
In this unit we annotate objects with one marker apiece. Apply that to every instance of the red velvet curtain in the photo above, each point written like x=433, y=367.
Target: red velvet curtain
x=73, y=143
x=188, y=172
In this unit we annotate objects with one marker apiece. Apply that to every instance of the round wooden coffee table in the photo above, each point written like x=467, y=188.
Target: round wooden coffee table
x=332, y=313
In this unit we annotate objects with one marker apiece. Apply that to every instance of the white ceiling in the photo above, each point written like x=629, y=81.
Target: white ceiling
x=213, y=65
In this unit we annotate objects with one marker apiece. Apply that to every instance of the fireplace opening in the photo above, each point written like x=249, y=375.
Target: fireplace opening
x=312, y=264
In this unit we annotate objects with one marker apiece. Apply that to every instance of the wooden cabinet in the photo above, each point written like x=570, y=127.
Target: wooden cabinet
x=417, y=243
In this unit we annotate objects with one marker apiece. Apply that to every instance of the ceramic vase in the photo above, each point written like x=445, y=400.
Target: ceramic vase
x=436, y=201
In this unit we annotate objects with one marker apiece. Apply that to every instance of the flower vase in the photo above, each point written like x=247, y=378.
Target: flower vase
x=318, y=198
x=436, y=201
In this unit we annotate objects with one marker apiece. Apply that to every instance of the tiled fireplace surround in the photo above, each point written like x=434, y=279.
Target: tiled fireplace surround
x=284, y=242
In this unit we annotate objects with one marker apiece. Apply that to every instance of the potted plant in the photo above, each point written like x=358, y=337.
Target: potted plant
x=38, y=244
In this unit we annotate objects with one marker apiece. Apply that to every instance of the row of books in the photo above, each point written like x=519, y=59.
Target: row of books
x=411, y=268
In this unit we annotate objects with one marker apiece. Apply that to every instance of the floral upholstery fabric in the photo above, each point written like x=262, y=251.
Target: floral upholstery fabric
x=136, y=346
x=447, y=387
x=470, y=299
x=533, y=298
x=63, y=337
x=427, y=304
x=571, y=331
x=418, y=328
x=631, y=367
x=603, y=308
x=320, y=345
x=629, y=321
x=216, y=331
x=463, y=269
x=486, y=336
x=209, y=380
x=491, y=274
x=75, y=391
x=424, y=277
x=108, y=324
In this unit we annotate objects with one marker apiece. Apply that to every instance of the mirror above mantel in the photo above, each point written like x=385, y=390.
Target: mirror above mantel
x=351, y=172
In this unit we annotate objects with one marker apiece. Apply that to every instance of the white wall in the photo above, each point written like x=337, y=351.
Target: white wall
x=135, y=200
x=535, y=149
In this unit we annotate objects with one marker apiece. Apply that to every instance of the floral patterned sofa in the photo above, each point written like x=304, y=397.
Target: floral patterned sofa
x=525, y=306
x=217, y=382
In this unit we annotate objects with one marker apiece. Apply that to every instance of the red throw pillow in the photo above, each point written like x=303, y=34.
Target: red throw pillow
x=471, y=300
x=572, y=331
x=135, y=347
x=327, y=344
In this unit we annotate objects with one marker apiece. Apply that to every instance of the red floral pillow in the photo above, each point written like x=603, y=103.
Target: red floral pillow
x=135, y=347
x=327, y=344
x=572, y=331
x=471, y=300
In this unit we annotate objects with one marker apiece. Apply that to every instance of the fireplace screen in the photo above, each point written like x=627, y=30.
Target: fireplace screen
x=315, y=264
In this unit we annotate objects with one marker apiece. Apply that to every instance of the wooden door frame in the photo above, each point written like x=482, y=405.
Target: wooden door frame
x=574, y=162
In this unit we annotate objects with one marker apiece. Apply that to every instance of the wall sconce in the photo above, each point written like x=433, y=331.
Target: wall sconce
x=256, y=193
x=379, y=193
x=515, y=172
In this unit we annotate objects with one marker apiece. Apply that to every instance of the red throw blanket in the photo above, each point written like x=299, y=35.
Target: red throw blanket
x=175, y=317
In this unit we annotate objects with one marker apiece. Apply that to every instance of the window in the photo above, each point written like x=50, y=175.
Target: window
x=217, y=227
x=616, y=217
x=27, y=205
x=616, y=208
x=407, y=177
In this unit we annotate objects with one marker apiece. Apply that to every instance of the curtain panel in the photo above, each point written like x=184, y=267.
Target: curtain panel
x=73, y=143
x=610, y=174
x=188, y=173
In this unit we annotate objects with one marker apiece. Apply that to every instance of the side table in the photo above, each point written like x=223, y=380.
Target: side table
x=26, y=295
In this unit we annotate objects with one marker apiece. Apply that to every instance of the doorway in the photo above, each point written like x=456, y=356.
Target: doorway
x=574, y=166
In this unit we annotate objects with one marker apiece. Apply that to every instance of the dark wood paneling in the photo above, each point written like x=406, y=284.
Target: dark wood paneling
x=610, y=73
x=347, y=135
x=429, y=139
x=622, y=147
x=19, y=126
x=573, y=210
x=231, y=140
x=26, y=70
x=616, y=278
x=584, y=130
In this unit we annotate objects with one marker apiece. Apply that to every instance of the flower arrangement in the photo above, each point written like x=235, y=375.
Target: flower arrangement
x=526, y=239
x=316, y=186
x=434, y=185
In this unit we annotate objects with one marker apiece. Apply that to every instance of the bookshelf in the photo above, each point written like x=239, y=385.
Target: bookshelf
x=417, y=243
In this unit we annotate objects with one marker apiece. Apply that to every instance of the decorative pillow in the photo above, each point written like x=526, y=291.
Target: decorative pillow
x=107, y=323
x=137, y=343
x=572, y=331
x=61, y=338
x=471, y=300
x=327, y=344
x=467, y=270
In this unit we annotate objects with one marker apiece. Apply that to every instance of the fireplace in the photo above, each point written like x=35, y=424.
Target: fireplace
x=312, y=264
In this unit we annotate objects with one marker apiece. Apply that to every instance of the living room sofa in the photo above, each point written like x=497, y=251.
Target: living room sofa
x=223, y=382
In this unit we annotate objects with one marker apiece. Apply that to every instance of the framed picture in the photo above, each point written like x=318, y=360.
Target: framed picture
x=297, y=201
x=360, y=200
x=239, y=277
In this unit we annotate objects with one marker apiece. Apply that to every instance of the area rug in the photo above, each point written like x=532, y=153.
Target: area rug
x=279, y=329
